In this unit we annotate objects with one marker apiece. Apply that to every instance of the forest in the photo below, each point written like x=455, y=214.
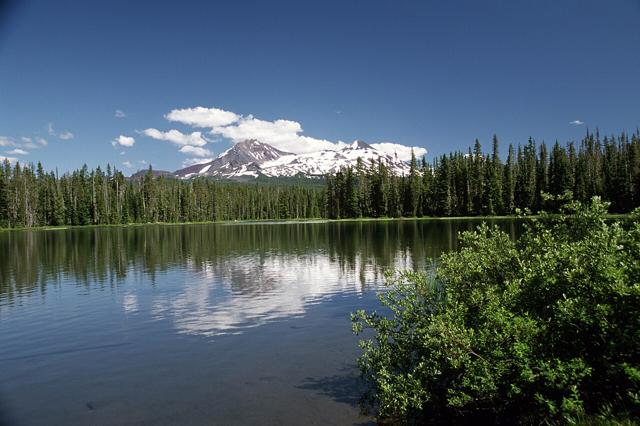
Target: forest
x=31, y=197
x=471, y=183
x=475, y=183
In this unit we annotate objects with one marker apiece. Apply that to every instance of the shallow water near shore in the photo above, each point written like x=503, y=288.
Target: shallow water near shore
x=197, y=324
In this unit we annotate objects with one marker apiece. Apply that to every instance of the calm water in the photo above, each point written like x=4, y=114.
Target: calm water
x=195, y=324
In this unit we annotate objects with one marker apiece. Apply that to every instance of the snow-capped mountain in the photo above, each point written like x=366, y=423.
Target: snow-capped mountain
x=252, y=158
x=242, y=159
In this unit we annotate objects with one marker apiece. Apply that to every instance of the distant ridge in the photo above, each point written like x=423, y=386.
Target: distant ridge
x=156, y=173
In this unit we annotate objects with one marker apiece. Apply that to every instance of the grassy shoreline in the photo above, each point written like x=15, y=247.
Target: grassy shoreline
x=293, y=221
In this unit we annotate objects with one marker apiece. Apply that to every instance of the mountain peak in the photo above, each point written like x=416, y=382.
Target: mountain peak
x=358, y=144
x=248, y=144
x=255, y=147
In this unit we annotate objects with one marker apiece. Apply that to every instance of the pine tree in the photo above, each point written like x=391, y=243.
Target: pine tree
x=350, y=202
x=542, y=176
x=510, y=182
x=495, y=198
x=478, y=181
x=558, y=171
x=4, y=194
x=413, y=188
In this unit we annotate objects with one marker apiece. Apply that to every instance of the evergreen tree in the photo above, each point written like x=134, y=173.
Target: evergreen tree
x=510, y=181
x=4, y=194
x=495, y=180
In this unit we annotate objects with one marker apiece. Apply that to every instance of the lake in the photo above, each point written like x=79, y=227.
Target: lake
x=196, y=324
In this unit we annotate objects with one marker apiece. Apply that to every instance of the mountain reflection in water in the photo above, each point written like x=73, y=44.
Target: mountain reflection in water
x=226, y=277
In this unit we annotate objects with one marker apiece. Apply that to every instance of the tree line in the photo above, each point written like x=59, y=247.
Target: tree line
x=458, y=184
x=477, y=183
x=30, y=197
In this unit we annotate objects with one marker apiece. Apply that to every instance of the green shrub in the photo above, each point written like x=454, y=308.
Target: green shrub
x=542, y=329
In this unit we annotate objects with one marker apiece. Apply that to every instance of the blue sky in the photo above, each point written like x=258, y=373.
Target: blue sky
x=417, y=73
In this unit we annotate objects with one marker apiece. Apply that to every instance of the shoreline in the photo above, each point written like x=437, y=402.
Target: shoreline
x=295, y=221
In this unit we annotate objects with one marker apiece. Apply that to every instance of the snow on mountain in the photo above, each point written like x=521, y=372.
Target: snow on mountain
x=252, y=158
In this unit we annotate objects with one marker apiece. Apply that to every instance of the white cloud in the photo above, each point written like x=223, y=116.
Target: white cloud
x=32, y=143
x=6, y=141
x=195, y=150
x=286, y=135
x=403, y=152
x=576, y=122
x=282, y=134
x=17, y=151
x=176, y=137
x=127, y=164
x=143, y=162
x=191, y=161
x=11, y=159
x=203, y=117
x=123, y=140
x=119, y=114
x=66, y=135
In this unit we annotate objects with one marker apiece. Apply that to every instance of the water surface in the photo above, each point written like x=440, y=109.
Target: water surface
x=196, y=324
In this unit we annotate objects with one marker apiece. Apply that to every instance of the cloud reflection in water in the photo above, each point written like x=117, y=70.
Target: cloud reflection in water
x=248, y=291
